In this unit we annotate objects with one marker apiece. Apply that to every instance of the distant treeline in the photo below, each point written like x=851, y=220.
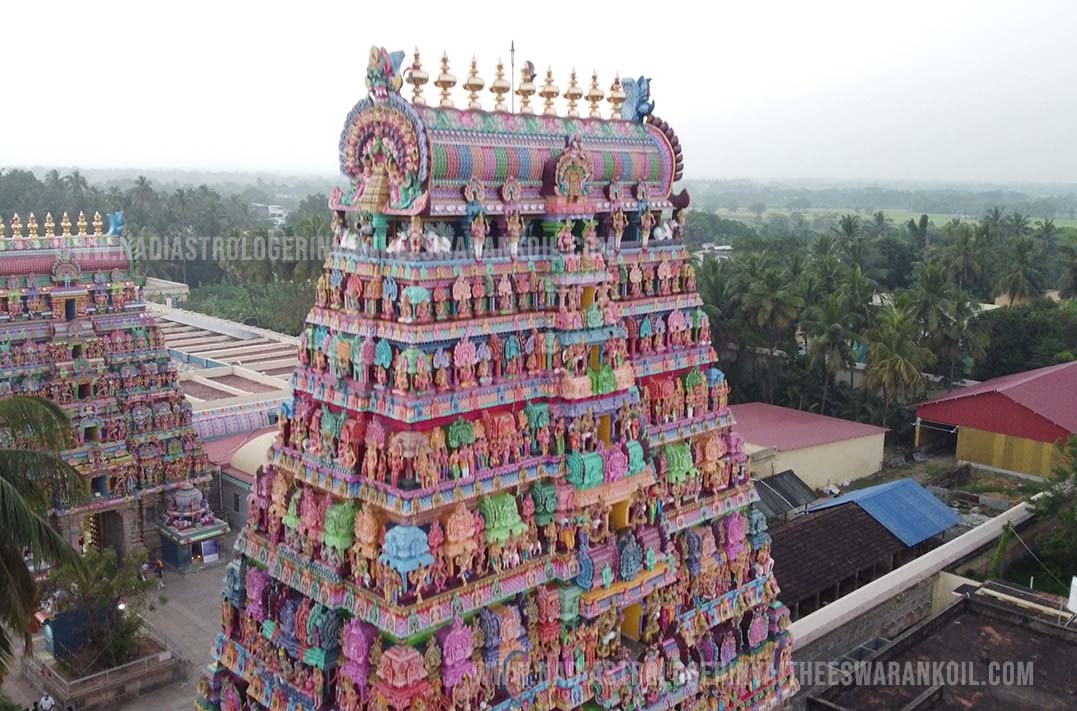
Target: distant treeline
x=1041, y=200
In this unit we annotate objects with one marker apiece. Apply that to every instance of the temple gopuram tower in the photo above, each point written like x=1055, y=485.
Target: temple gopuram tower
x=508, y=476
x=74, y=329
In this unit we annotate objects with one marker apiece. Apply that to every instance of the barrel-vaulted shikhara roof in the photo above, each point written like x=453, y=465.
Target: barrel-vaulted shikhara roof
x=439, y=160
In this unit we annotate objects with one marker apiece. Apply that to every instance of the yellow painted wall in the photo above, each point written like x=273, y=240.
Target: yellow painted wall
x=830, y=463
x=1000, y=451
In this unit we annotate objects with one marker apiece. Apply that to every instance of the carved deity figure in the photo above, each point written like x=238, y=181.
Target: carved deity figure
x=480, y=227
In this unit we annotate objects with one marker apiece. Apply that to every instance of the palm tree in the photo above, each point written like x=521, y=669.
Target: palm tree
x=1067, y=284
x=795, y=265
x=32, y=478
x=143, y=193
x=918, y=231
x=855, y=252
x=1022, y=279
x=53, y=181
x=895, y=359
x=963, y=334
x=773, y=305
x=752, y=266
x=952, y=226
x=826, y=325
x=963, y=258
x=858, y=291
x=827, y=271
x=1046, y=233
x=930, y=300
x=823, y=246
x=880, y=223
x=77, y=185
x=848, y=226
x=993, y=221
x=721, y=286
x=1017, y=224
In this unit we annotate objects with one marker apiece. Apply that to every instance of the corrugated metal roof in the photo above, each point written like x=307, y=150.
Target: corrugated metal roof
x=1048, y=392
x=906, y=509
x=785, y=429
x=781, y=493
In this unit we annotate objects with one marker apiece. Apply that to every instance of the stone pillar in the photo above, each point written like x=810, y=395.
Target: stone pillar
x=70, y=527
x=150, y=535
x=132, y=533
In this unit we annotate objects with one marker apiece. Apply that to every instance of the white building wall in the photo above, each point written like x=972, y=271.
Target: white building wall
x=830, y=463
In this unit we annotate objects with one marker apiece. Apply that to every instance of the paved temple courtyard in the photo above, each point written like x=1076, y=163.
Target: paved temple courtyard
x=190, y=620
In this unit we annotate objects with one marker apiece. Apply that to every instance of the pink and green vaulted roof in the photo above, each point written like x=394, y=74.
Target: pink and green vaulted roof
x=441, y=150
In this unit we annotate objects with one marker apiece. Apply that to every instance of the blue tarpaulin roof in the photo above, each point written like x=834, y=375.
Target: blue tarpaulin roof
x=903, y=507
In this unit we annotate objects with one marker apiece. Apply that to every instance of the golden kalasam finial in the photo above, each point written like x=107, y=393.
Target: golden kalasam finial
x=474, y=85
x=549, y=92
x=573, y=93
x=617, y=97
x=500, y=87
x=16, y=225
x=65, y=225
x=98, y=223
x=417, y=78
x=50, y=226
x=31, y=226
x=526, y=88
x=81, y=223
x=594, y=96
x=445, y=82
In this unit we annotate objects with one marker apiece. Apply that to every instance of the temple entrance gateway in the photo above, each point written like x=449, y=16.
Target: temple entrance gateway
x=106, y=530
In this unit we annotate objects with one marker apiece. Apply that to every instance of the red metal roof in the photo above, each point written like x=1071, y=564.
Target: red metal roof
x=1038, y=404
x=784, y=428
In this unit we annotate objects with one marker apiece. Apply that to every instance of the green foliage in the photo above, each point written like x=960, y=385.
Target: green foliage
x=995, y=567
x=706, y=227
x=805, y=296
x=7, y=704
x=97, y=589
x=1022, y=278
x=1059, y=505
x=1025, y=337
x=32, y=476
x=896, y=360
x=901, y=202
x=280, y=305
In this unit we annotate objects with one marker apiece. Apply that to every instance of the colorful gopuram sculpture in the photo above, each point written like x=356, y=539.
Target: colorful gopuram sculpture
x=73, y=328
x=508, y=476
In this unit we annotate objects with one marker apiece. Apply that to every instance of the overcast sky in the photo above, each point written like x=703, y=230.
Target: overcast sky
x=940, y=90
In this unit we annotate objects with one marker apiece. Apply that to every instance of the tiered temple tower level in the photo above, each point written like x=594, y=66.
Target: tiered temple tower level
x=508, y=473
